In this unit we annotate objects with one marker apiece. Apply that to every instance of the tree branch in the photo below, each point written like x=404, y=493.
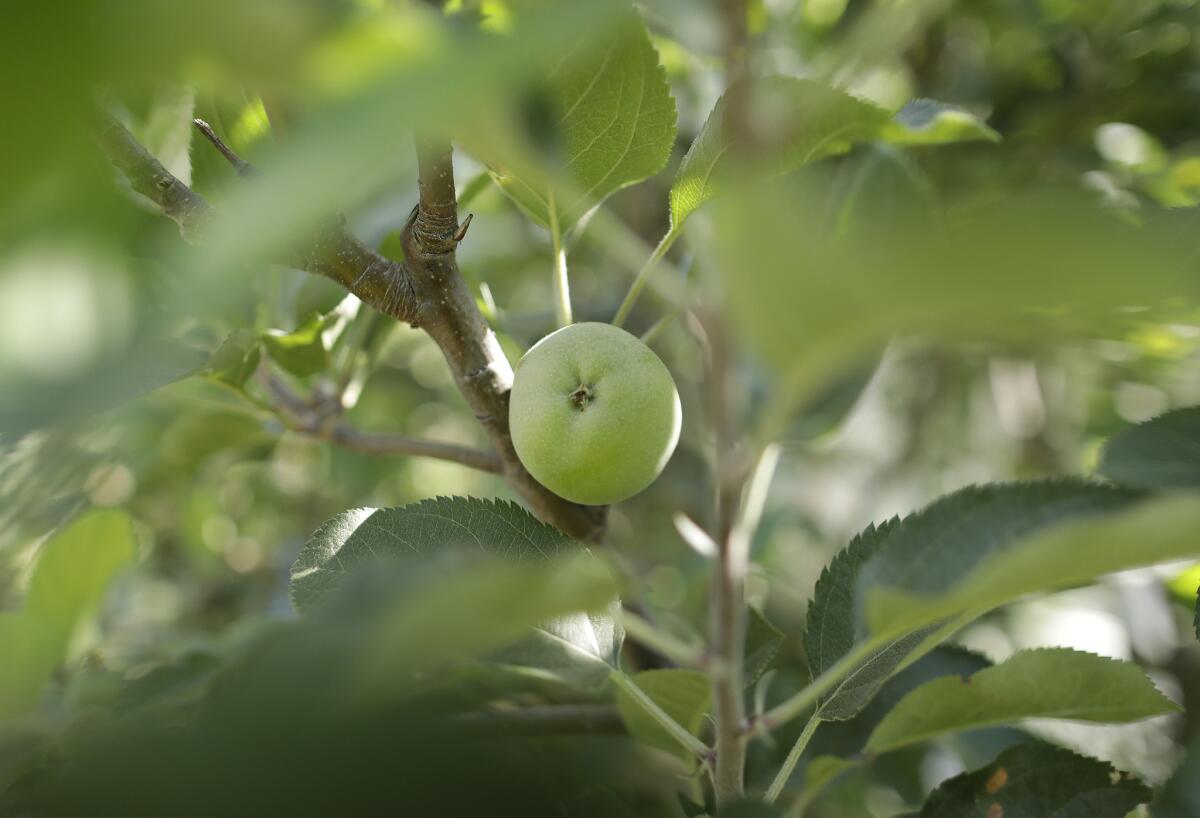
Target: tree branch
x=449, y=314
x=427, y=291
x=305, y=418
x=545, y=720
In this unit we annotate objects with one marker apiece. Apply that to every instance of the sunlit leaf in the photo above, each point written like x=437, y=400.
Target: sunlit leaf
x=301, y=352
x=1047, y=683
x=613, y=113
x=925, y=122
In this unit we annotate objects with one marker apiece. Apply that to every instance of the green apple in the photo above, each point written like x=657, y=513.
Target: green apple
x=594, y=413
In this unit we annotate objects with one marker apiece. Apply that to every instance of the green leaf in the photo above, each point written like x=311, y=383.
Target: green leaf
x=830, y=631
x=816, y=121
x=73, y=569
x=361, y=536
x=1180, y=796
x=167, y=130
x=1038, y=781
x=819, y=774
x=301, y=352
x=926, y=122
x=763, y=641
x=825, y=293
x=981, y=547
x=1053, y=683
x=578, y=646
x=1162, y=453
x=30, y=656
x=615, y=117
x=684, y=695
x=235, y=359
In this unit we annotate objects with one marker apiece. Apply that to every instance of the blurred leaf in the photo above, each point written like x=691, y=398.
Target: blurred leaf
x=1162, y=453
x=762, y=645
x=984, y=546
x=579, y=649
x=358, y=537
x=813, y=121
x=73, y=569
x=820, y=295
x=301, y=352
x=1048, y=683
x=925, y=122
x=166, y=130
x=1038, y=781
x=1180, y=796
x=612, y=108
x=23, y=748
x=235, y=360
x=683, y=694
x=30, y=656
x=748, y=809
x=819, y=774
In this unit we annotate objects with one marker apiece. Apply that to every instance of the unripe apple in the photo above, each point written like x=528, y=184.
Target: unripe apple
x=594, y=413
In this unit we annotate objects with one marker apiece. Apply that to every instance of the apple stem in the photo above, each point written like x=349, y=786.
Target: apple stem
x=582, y=396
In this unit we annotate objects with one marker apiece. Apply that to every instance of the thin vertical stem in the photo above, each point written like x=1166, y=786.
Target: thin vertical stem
x=728, y=586
x=639, y=281
x=789, y=764
x=562, y=285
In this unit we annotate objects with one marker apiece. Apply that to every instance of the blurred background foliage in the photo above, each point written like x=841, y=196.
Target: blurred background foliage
x=125, y=355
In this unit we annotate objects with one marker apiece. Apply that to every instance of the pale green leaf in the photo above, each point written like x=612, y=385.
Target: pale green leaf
x=303, y=351
x=812, y=121
x=926, y=122
x=73, y=569
x=615, y=119
x=166, y=130
x=1162, y=453
x=1055, y=683
x=30, y=650
x=1038, y=781
x=683, y=694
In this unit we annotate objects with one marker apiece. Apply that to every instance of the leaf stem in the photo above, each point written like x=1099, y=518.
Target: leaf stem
x=562, y=285
x=639, y=281
x=677, y=730
x=788, y=709
x=677, y=650
x=789, y=763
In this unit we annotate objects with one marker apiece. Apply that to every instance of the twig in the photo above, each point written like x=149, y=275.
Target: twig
x=300, y=416
x=242, y=167
x=545, y=720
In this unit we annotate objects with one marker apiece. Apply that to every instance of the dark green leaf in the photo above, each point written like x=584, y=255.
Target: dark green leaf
x=683, y=694
x=762, y=645
x=362, y=536
x=984, y=546
x=830, y=630
x=1180, y=796
x=1162, y=453
x=1048, y=683
x=1038, y=781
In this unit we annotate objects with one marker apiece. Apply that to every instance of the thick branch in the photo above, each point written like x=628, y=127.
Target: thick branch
x=449, y=314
